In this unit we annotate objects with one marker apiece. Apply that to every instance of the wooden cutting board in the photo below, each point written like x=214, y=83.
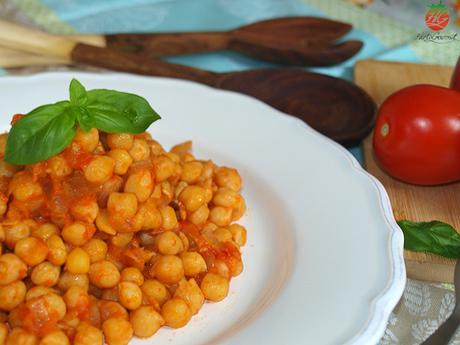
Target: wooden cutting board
x=380, y=79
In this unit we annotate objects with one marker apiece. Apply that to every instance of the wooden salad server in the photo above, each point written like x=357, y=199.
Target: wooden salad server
x=333, y=106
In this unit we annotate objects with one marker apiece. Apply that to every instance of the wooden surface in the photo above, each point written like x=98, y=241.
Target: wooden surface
x=380, y=79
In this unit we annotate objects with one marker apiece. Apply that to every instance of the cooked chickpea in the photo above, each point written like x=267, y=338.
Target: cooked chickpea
x=4, y=333
x=140, y=150
x=78, y=233
x=155, y=292
x=130, y=295
x=229, y=178
x=176, y=313
x=78, y=261
x=117, y=331
x=191, y=171
x=99, y=170
x=7, y=169
x=222, y=235
x=132, y=274
x=88, y=335
x=45, y=231
x=238, y=234
x=88, y=141
x=96, y=249
x=239, y=209
x=55, y=305
x=122, y=204
x=214, y=287
x=168, y=269
x=199, y=216
x=190, y=292
x=3, y=204
x=15, y=231
x=164, y=168
x=85, y=210
x=11, y=268
x=120, y=141
x=104, y=274
x=67, y=279
x=152, y=216
x=220, y=216
x=77, y=297
x=193, y=197
x=169, y=243
x=38, y=291
x=58, y=167
x=103, y=222
x=122, y=239
x=31, y=250
x=23, y=187
x=193, y=263
x=169, y=218
x=111, y=309
x=57, y=253
x=146, y=321
x=225, y=197
x=55, y=338
x=140, y=183
x=19, y=336
x=12, y=295
x=122, y=161
x=45, y=274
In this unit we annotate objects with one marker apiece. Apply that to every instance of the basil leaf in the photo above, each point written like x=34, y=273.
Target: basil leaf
x=44, y=132
x=77, y=93
x=434, y=237
x=84, y=119
x=116, y=111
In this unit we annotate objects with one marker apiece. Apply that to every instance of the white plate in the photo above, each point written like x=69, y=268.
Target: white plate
x=323, y=262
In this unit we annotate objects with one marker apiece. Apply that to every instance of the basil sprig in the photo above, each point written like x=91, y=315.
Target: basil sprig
x=434, y=237
x=48, y=129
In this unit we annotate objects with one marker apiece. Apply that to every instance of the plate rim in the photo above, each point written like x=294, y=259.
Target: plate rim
x=382, y=304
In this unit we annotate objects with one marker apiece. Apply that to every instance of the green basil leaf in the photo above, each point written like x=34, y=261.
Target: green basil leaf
x=434, y=237
x=116, y=111
x=44, y=132
x=84, y=118
x=77, y=93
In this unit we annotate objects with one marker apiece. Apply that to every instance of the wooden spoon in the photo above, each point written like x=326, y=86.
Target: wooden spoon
x=332, y=106
x=306, y=41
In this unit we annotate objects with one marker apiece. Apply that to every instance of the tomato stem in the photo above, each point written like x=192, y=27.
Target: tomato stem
x=385, y=129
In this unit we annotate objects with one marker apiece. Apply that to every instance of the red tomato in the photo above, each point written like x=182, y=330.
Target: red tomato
x=417, y=135
x=455, y=82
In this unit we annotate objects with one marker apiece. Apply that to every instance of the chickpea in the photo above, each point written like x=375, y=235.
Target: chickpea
x=58, y=167
x=140, y=183
x=190, y=292
x=111, y=309
x=164, y=168
x=45, y=274
x=85, y=210
x=140, y=150
x=239, y=209
x=3, y=333
x=55, y=305
x=222, y=235
x=78, y=233
x=214, y=287
x=117, y=331
x=122, y=239
x=19, y=336
x=7, y=169
x=146, y=321
x=120, y=141
x=220, y=216
x=132, y=274
x=191, y=171
x=3, y=204
x=12, y=268
x=176, y=313
x=152, y=216
x=155, y=292
x=78, y=261
x=104, y=274
x=99, y=170
x=45, y=231
x=76, y=297
x=103, y=223
x=169, y=243
x=122, y=161
x=155, y=148
x=96, y=249
x=88, y=141
x=193, y=197
x=15, y=231
x=31, y=250
x=122, y=204
x=55, y=338
x=238, y=234
x=57, y=253
x=225, y=197
x=130, y=295
x=229, y=178
x=168, y=269
x=193, y=263
x=169, y=218
x=23, y=187
x=185, y=241
x=199, y=216
x=38, y=291
x=12, y=295
x=221, y=268
x=88, y=335
x=67, y=280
